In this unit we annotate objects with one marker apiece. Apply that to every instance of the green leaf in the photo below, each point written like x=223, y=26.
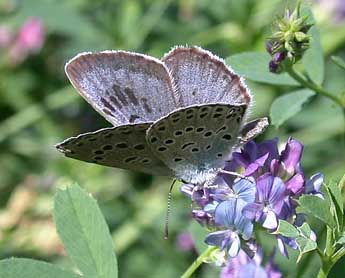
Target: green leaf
x=286, y=229
x=305, y=245
x=312, y=60
x=305, y=230
x=341, y=240
x=288, y=105
x=338, y=61
x=27, y=268
x=318, y=208
x=335, y=197
x=254, y=66
x=198, y=234
x=84, y=232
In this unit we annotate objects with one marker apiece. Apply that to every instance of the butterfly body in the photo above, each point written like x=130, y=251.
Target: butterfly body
x=181, y=116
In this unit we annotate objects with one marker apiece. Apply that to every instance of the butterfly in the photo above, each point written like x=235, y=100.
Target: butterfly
x=180, y=116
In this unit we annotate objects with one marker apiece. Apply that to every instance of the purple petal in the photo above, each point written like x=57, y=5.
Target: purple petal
x=291, y=156
x=314, y=183
x=282, y=247
x=279, y=56
x=277, y=194
x=270, y=147
x=245, y=190
x=313, y=236
x=216, y=238
x=264, y=184
x=252, y=270
x=272, y=270
x=202, y=217
x=211, y=207
x=252, y=167
x=184, y=242
x=251, y=150
x=287, y=210
x=225, y=213
x=243, y=224
x=240, y=159
x=251, y=210
x=270, y=221
x=295, y=184
x=277, y=168
x=234, y=245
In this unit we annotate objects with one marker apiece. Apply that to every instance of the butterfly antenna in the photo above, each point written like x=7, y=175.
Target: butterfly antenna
x=166, y=229
x=235, y=175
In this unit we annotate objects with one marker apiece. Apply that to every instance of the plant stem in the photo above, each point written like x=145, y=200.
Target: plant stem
x=198, y=261
x=329, y=261
x=315, y=87
x=337, y=255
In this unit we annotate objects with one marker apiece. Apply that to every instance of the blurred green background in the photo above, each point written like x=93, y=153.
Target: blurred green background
x=39, y=108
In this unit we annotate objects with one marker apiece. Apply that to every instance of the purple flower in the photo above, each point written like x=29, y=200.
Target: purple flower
x=314, y=184
x=242, y=188
x=279, y=57
x=29, y=40
x=244, y=267
x=270, y=200
x=273, y=66
x=274, y=181
x=254, y=158
x=290, y=157
x=204, y=218
x=184, y=242
x=31, y=35
x=199, y=195
x=228, y=214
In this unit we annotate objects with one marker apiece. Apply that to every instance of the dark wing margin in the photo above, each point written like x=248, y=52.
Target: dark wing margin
x=122, y=147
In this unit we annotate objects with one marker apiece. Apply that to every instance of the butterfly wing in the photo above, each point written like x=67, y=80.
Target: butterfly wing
x=121, y=147
x=252, y=129
x=196, y=139
x=122, y=86
x=202, y=77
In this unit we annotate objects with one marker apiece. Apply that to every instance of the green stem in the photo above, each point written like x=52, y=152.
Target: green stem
x=203, y=256
x=329, y=261
x=329, y=242
x=330, y=257
x=336, y=256
x=322, y=273
x=315, y=87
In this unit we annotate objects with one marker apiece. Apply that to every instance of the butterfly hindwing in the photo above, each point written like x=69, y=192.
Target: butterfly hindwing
x=121, y=147
x=202, y=77
x=196, y=139
x=124, y=87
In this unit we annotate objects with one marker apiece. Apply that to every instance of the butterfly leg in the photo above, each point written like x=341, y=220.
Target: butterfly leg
x=235, y=175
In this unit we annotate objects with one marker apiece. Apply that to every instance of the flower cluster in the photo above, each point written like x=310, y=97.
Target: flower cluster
x=244, y=266
x=28, y=40
x=290, y=40
x=272, y=182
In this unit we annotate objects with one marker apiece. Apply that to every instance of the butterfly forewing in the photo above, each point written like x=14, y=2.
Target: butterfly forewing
x=195, y=139
x=252, y=129
x=122, y=147
x=124, y=87
x=202, y=77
